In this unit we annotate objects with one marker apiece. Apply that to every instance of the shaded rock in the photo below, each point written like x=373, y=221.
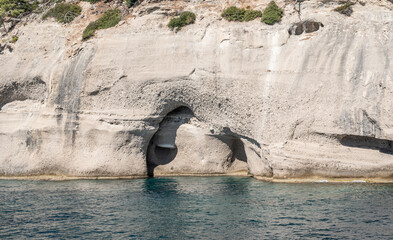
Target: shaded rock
x=4, y=47
x=34, y=89
x=305, y=26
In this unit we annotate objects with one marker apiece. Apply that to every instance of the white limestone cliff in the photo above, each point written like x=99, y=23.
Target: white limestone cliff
x=256, y=99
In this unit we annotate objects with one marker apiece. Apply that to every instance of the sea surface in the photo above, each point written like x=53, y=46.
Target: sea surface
x=194, y=208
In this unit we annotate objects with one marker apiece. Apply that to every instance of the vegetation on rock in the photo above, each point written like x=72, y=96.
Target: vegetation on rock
x=251, y=15
x=272, y=14
x=14, y=39
x=92, y=1
x=109, y=19
x=184, y=19
x=15, y=8
x=234, y=14
x=240, y=14
x=131, y=3
x=345, y=9
x=64, y=12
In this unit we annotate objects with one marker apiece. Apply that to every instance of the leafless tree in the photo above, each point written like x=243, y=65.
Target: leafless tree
x=298, y=9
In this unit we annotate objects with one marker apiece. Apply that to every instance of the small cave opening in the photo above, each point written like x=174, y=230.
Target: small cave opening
x=162, y=146
x=365, y=142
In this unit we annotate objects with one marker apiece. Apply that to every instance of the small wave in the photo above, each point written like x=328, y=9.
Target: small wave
x=359, y=181
x=322, y=181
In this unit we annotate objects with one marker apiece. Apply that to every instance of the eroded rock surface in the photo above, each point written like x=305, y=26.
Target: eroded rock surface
x=260, y=101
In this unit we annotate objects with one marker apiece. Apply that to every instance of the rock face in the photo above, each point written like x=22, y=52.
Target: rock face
x=216, y=97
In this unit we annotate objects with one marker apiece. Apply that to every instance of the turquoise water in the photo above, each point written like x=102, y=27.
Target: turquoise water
x=194, y=207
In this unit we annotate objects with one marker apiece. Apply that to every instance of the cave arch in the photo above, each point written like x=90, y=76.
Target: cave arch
x=162, y=147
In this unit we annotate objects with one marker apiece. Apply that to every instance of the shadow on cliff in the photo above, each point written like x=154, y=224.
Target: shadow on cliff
x=236, y=145
x=381, y=145
x=33, y=89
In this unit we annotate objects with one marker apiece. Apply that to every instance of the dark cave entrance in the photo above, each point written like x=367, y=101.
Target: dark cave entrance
x=162, y=146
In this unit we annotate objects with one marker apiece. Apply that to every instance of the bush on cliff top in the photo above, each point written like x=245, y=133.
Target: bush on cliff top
x=184, y=19
x=15, y=8
x=272, y=14
x=109, y=19
x=64, y=12
x=251, y=15
x=234, y=14
x=240, y=14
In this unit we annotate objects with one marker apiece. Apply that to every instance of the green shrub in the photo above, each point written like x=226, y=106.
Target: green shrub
x=15, y=8
x=14, y=39
x=2, y=15
x=131, y=3
x=184, y=19
x=92, y=1
x=272, y=14
x=64, y=12
x=251, y=15
x=89, y=30
x=109, y=19
x=234, y=14
x=240, y=14
x=345, y=9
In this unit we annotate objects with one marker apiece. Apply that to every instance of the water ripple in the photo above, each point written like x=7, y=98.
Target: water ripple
x=199, y=208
